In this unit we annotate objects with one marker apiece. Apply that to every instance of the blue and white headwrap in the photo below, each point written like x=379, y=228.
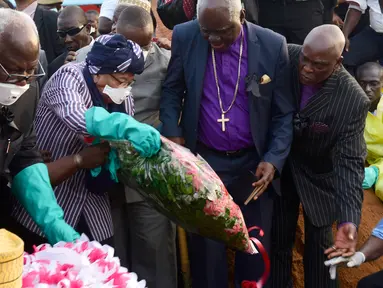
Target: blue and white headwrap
x=114, y=54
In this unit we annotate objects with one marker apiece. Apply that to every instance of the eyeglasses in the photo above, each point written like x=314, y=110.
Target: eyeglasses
x=70, y=32
x=17, y=78
x=123, y=84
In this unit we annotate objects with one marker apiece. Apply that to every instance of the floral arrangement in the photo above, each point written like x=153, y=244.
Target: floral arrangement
x=186, y=189
x=76, y=265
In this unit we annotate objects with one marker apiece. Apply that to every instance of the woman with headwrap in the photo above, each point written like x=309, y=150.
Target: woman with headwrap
x=75, y=97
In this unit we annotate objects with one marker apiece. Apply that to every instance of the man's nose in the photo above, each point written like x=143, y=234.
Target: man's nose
x=308, y=68
x=214, y=38
x=368, y=88
x=68, y=39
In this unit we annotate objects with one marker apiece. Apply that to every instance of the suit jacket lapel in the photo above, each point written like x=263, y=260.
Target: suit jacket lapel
x=201, y=50
x=38, y=18
x=252, y=57
x=322, y=97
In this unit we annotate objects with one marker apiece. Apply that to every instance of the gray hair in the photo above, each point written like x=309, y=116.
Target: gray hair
x=16, y=20
x=234, y=7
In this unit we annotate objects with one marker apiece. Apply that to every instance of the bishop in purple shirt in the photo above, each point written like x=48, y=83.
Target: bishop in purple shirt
x=215, y=102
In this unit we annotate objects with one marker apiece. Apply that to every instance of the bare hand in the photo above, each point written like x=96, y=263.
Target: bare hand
x=345, y=242
x=337, y=20
x=164, y=43
x=94, y=156
x=70, y=57
x=265, y=173
x=347, y=46
x=177, y=140
x=47, y=156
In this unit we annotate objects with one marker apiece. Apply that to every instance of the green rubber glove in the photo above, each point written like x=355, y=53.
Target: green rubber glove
x=371, y=175
x=33, y=189
x=119, y=126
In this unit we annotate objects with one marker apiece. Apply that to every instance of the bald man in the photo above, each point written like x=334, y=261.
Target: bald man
x=74, y=30
x=325, y=168
x=23, y=176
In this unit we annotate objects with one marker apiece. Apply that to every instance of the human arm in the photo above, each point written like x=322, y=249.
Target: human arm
x=350, y=152
x=31, y=186
x=106, y=16
x=354, y=13
x=173, y=91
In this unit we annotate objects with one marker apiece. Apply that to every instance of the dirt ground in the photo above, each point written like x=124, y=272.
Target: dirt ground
x=372, y=213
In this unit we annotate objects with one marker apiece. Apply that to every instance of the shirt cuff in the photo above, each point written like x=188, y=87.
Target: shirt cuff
x=378, y=231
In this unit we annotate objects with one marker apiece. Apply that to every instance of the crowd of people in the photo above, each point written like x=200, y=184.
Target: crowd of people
x=291, y=106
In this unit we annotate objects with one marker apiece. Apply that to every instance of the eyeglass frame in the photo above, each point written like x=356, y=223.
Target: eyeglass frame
x=66, y=31
x=23, y=77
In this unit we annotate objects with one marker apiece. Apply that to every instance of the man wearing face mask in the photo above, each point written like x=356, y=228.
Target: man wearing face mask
x=145, y=233
x=104, y=80
x=22, y=173
x=74, y=30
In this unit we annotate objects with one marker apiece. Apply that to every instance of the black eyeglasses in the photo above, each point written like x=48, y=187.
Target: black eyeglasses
x=70, y=32
x=17, y=78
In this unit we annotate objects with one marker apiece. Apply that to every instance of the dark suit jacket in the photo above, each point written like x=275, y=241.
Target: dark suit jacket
x=327, y=157
x=46, y=22
x=271, y=111
x=56, y=64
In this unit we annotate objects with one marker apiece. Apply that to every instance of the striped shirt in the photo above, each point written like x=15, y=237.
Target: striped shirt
x=60, y=127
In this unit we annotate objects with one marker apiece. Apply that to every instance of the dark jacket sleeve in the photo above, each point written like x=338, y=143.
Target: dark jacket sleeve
x=281, y=134
x=351, y=152
x=27, y=155
x=173, y=91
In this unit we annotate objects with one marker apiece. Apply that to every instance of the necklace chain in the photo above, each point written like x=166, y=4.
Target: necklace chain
x=238, y=79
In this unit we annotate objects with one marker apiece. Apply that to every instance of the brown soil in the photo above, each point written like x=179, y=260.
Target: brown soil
x=371, y=214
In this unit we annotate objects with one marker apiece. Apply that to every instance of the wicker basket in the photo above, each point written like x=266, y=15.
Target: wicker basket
x=11, y=260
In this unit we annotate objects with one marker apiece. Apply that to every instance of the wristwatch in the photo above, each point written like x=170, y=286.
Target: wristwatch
x=77, y=160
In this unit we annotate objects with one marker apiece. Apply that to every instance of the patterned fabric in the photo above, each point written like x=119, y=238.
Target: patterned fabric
x=114, y=54
x=60, y=127
x=189, y=8
x=141, y=3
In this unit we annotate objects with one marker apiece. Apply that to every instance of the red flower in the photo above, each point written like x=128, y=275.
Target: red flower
x=249, y=284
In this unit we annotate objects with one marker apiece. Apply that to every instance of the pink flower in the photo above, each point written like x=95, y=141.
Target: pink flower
x=96, y=254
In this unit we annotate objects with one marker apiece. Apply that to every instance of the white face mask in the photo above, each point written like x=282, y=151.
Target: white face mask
x=10, y=93
x=117, y=95
x=146, y=53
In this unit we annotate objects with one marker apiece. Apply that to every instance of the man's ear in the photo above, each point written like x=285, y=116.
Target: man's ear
x=243, y=16
x=339, y=63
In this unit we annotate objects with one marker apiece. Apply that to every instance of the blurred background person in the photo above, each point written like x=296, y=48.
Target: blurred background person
x=53, y=5
x=92, y=16
x=74, y=30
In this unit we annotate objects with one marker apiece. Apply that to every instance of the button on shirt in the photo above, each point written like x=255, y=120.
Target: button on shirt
x=238, y=132
x=376, y=16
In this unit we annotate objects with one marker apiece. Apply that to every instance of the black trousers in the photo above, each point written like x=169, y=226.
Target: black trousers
x=364, y=47
x=372, y=281
x=30, y=239
x=317, y=240
x=294, y=20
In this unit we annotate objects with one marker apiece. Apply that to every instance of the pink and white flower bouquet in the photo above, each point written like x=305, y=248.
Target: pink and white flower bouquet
x=76, y=265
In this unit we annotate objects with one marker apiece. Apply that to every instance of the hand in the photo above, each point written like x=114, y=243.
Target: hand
x=345, y=242
x=336, y=20
x=347, y=46
x=70, y=57
x=177, y=140
x=164, y=43
x=265, y=173
x=354, y=261
x=145, y=139
x=94, y=156
x=47, y=156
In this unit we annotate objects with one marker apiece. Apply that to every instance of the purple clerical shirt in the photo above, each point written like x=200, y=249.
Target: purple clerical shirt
x=238, y=133
x=307, y=92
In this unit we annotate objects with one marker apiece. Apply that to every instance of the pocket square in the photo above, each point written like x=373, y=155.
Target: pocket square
x=319, y=127
x=265, y=79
